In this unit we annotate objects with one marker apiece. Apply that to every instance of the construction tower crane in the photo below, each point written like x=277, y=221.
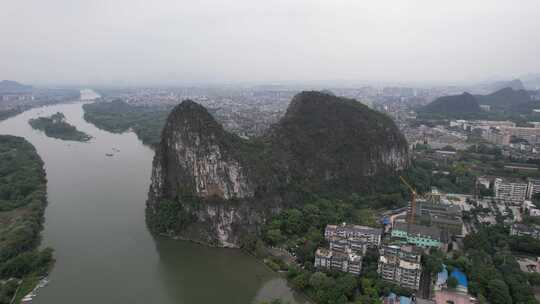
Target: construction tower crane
x=412, y=212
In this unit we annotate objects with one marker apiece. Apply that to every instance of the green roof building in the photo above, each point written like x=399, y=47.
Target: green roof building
x=418, y=235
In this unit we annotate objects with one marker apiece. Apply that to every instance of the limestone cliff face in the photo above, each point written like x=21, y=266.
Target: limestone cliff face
x=194, y=156
x=211, y=186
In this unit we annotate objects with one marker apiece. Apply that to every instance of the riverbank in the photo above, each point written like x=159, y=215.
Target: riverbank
x=23, y=197
x=281, y=272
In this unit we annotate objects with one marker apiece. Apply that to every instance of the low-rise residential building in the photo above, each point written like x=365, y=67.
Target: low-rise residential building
x=346, y=262
x=419, y=235
x=368, y=234
x=348, y=244
x=400, y=265
x=323, y=258
x=518, y=229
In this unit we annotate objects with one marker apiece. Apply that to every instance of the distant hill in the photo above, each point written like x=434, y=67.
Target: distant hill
x=505, y=98
x=505, y=101
x=13, y=87
x=515, y=84
x=453, y=105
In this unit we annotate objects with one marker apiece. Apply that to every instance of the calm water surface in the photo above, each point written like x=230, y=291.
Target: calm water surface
x=95, y=223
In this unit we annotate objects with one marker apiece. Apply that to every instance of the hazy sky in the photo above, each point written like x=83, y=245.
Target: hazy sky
x=178, y=41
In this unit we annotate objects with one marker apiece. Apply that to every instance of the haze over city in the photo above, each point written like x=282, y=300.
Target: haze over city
x=164, y=42
x=269, y=152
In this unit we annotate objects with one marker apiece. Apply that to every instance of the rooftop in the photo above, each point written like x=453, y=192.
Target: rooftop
x=414, y=229
x=366, y=229
x=323, y=252
x=409, y=265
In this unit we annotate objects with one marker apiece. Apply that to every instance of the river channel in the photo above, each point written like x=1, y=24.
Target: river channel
x=104, y=251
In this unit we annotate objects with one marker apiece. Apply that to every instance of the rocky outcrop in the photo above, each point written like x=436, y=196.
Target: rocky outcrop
x=211, y=186
x=194, y=156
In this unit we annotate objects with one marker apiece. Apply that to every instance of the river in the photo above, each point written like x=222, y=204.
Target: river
x=95, y=223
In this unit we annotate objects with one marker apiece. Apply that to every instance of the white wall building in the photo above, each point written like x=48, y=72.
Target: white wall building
x=512, y=190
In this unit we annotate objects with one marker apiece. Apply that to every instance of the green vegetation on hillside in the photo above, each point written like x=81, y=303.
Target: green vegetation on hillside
x=328, y=144
x=118, y=117
x=22, y=203
x=56, y=126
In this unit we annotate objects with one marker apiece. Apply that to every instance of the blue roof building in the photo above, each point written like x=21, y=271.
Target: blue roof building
x=442, y=277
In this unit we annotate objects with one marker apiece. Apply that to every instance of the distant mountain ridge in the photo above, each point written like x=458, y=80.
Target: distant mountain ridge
x=506, y=100
x=515, y=84
x=454, y=104
x=13, y=87
x=505, y=97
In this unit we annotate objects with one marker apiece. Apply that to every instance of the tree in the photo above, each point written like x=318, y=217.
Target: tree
x=295, y=221
x=433, y=262
x=274, y=236
x=301, y=281
x=498, y=292
x=346, y=285
x=319, y=280
x=452, y=283
x=534, y=278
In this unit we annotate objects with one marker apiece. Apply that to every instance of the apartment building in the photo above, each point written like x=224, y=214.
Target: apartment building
x=400, y=265
x=370, y=235
x=344, y=245
x=510, y=189
x=347, y=246
x=346, y=262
